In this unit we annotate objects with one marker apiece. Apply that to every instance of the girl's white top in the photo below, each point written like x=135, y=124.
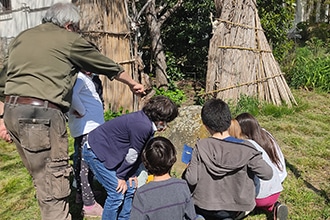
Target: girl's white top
x=282, y=172
x=87, y=102
x=265, y=188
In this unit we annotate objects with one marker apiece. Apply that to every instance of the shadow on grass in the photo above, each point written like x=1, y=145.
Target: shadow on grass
x=260, y=212
x=297, y=174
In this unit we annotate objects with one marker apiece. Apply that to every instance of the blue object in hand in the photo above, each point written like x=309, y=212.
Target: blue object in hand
x=186, y=154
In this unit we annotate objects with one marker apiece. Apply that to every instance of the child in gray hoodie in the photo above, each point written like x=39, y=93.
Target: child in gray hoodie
x=222, y=168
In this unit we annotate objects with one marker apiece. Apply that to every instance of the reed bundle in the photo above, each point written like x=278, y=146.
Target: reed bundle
x=105, y=24
x=240, y=59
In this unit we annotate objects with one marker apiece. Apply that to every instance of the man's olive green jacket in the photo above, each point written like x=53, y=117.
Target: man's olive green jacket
x=42, y=62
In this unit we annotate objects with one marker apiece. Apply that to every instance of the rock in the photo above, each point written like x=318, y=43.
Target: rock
x=185, y=129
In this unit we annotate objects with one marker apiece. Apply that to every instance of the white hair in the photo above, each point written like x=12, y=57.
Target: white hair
x=62, y=14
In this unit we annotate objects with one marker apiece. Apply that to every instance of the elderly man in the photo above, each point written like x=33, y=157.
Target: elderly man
x=36, y=87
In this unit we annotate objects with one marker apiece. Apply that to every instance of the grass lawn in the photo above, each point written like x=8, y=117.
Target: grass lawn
x=304, y=137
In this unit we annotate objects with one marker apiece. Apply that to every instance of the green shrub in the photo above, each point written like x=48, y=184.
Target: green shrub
x=276, y=19
x=109, y=114
x=200, y=98
x=256, y=107
x=245, y=104
x=311, y=68
x=176, y=95
x=173, y=67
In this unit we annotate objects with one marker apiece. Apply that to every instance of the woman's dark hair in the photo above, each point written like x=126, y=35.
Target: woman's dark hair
x=252, y=130
x=158, y=156
x=161, y=108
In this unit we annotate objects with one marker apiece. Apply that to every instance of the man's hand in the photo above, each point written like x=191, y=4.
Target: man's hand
x=4, y=133
x=135, y=87
x=138, y=89
x=122, y=186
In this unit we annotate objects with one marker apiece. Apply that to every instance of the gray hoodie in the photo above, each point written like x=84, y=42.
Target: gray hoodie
x=221, y=174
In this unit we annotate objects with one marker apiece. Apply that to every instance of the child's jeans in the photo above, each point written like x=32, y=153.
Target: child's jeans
x=117, y=205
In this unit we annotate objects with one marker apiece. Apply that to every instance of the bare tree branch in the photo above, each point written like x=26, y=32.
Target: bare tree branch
x=160, y=9
x=170, y=11
x=142, y=10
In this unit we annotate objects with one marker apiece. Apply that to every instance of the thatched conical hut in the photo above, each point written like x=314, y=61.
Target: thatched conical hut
x=240, y=59
x=105, y=23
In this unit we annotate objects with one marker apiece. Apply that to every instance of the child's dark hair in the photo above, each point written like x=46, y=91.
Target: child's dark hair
x=158, y=156
x=216, y=115
x=161, y=108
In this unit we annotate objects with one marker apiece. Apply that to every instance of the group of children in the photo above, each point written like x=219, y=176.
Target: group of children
x=239, y=167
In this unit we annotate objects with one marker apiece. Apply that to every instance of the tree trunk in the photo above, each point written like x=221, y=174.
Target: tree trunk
x=155, y=18
x=157, y=49
x=159, y=57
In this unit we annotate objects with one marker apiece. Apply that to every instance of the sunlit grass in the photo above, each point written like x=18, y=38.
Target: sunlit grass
x=303, y=134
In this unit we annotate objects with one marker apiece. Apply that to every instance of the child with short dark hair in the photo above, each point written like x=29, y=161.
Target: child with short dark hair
x=222, y=168
x=113, y=151
x=164, y=197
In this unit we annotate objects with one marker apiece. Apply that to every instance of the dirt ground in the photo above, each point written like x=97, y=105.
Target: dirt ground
x=191, y=88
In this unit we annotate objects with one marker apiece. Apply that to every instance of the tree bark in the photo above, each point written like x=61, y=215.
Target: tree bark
x=155, y=23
